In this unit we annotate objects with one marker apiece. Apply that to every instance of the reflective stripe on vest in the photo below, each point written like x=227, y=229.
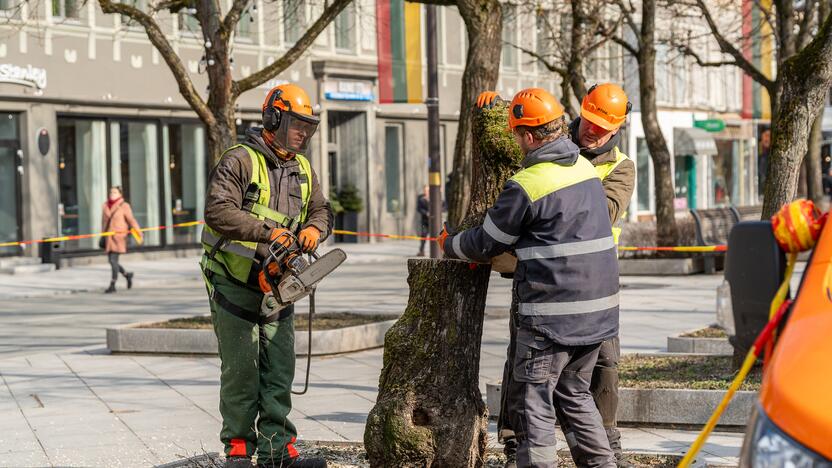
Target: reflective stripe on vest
x=547, y=177
x=237, y=256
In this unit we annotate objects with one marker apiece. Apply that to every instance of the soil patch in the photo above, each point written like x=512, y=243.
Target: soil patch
x=683, y=372
x=707, y=332
x=319, y=321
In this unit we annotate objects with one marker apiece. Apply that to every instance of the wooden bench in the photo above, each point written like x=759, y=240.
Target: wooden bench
x=713, y=226
x=749, y=213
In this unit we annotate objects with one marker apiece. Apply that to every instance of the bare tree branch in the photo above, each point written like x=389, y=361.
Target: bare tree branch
x=158, y=39
x=233, y=17
x=541, y=59
x=806, y=23
x=627, y=15
x=726, y=47
x=256, y=79
x=625, y=45
x=171, y=5
x=688, y=51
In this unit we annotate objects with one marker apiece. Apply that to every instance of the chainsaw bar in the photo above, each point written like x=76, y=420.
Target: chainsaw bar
x=296, y=287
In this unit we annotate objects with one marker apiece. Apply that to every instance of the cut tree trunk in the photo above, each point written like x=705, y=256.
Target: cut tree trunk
x=484, y=26
x=804, y=80
x=429, y=411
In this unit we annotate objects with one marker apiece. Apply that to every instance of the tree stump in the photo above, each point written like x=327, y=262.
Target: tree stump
x=429, y=411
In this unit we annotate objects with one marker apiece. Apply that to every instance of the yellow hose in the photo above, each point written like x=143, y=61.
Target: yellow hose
x=750, y=359
x=784, y=286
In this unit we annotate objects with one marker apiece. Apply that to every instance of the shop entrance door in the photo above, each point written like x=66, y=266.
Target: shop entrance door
x=11, y=172
x=347, y=157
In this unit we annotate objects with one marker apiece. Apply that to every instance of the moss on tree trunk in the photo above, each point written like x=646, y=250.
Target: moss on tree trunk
x=429, y=411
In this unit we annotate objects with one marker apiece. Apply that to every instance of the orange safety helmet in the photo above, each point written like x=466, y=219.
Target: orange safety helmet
x=533, y=107
x=287, y=113
x=606, y=106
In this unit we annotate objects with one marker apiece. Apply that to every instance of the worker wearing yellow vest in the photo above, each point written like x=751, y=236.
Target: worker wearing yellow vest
x=596, y=133
x=603, y=111
x=260, y=189
x=553, y=216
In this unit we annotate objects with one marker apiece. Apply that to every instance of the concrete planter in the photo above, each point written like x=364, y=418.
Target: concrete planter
x=659, y=266
x=664, y=406
x=688, y=345
x=132, y=339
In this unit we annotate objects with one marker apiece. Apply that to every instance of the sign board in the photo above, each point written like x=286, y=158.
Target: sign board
x=710, y=125
x=348, y=90
x=30, y=76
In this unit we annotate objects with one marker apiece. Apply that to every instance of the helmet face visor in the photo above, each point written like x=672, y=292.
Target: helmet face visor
x=296, y=131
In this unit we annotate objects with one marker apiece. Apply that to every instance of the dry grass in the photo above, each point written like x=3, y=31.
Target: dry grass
x=682, y=372
x=707, y=332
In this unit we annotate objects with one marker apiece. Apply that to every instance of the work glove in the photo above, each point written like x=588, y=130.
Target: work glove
x=283, y=234
x=487, y=99
x=274, y=268
x=309, y=238
x=442, y=237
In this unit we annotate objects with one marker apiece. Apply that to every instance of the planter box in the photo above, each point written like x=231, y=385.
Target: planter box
x=664, y=406
x=688, y=345
x=132, y=339
x=659, y=266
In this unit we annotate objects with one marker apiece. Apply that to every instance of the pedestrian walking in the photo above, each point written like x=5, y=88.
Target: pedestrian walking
x=423, y=208
x=117, y=216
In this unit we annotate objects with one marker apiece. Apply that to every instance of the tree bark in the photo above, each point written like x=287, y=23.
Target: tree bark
x=804, y=81
x=814, y=171
x=667, y=232
x=484, y=26
x=429, y=411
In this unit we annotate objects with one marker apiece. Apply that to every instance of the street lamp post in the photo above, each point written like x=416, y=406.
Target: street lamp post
x=434, y=171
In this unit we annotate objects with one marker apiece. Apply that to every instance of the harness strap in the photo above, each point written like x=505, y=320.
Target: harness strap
x=247, y=315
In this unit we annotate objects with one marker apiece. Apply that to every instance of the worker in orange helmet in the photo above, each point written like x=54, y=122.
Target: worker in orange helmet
x=604, y=110
x=553, y=215
x=260, y=191
x=596, y=132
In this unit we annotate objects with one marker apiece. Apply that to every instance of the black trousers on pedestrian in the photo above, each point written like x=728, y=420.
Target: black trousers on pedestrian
x=424, y=229
x=115, y=266
x=603, y=386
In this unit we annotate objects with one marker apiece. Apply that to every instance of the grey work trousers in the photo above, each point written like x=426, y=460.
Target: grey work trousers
x=545, y=375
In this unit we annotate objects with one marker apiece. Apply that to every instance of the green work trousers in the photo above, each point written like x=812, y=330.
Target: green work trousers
x=257, y=370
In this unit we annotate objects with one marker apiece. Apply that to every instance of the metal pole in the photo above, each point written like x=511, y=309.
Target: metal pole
x=434, y=171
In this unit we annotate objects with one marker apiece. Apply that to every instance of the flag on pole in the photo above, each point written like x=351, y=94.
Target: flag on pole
x=758, y=48
x=399, y=37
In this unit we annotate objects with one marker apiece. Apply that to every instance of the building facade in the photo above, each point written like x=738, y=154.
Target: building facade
x=86, y=102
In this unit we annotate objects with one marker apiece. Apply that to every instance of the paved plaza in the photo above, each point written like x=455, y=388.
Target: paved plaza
x=64, y=401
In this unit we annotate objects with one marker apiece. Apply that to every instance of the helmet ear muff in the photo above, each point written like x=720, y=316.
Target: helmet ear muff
x=271, y=115
x=629, y=104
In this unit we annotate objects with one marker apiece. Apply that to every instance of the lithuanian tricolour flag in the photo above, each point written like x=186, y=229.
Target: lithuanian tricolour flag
x=758, y=46
x=399, y=36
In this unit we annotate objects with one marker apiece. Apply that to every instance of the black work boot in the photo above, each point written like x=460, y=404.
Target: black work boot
x=299, y=462
x=510, y=450
x=111, y=289
x=129, y=277
x=238, y=462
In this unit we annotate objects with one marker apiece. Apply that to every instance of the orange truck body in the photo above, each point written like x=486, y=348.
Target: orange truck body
x=797, y=385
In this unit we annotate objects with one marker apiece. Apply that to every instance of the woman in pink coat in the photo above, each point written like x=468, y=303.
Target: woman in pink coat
x=118, y=216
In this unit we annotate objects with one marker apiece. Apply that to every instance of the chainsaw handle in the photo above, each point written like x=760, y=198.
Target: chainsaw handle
x=269, y=278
